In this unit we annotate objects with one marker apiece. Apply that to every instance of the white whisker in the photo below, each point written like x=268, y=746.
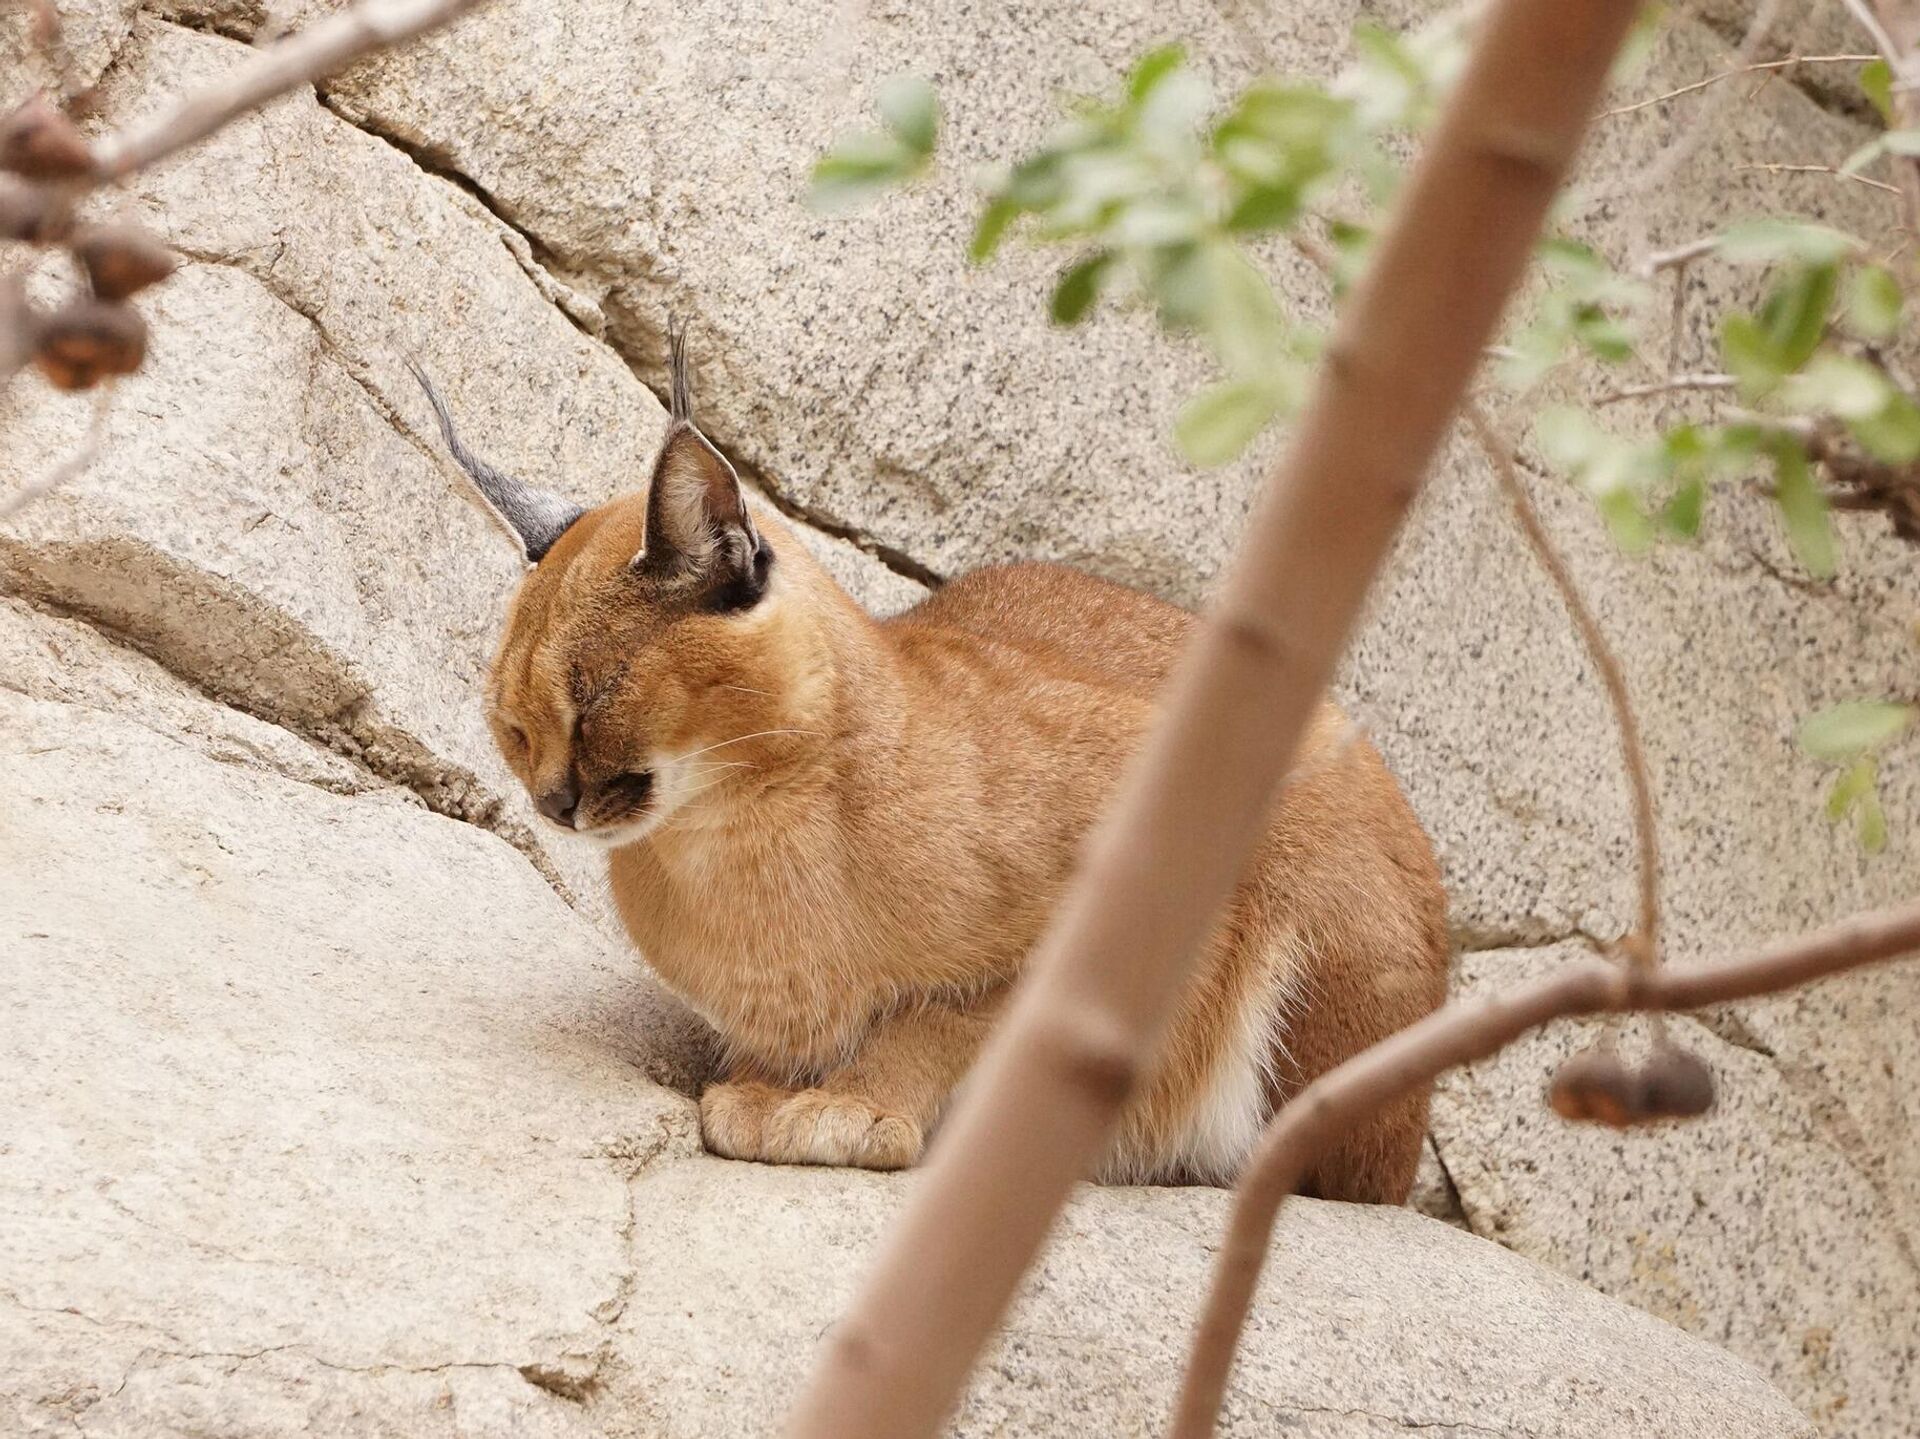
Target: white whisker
x=742, y=738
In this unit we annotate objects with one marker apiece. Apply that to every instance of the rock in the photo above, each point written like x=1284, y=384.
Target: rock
x=361, y=608
x=90, y=32
x=295, y=1064
x=1096, y=1343
x=330, y=1117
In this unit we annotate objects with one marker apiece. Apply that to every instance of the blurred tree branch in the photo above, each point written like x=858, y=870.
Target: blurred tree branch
x=97, y=336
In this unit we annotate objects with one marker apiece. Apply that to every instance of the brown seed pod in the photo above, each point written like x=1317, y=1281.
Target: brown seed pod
x=86, y=341
x=122, y=260
x=1594, y=1087
x=1676, y=1084
x=39, y=142
x=31, y=213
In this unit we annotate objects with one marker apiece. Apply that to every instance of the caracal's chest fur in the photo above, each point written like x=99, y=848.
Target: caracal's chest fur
x=915, y=853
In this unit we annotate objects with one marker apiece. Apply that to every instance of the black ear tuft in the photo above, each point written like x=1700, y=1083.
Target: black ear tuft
x=699, y=531
x=535, y=517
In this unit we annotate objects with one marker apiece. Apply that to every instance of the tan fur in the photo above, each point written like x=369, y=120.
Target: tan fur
x=868, y=823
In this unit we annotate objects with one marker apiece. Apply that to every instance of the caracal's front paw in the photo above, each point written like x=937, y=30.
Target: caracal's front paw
x=817, y=1126
x=733, y=1118
x=813, y=1126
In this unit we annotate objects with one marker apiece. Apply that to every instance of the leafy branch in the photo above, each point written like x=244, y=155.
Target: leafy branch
x=1157, y=192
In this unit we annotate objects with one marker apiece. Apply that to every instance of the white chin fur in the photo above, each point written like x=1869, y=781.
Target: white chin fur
x=673, y=785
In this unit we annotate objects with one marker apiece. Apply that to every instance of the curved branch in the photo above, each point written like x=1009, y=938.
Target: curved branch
x=1645, y=947
x=1462, y=1032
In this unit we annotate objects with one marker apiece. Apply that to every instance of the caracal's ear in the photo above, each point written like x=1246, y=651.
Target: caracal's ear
x=534, y=517
x=698, y=528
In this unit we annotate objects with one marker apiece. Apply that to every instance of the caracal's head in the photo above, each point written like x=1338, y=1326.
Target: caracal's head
x=660, y=656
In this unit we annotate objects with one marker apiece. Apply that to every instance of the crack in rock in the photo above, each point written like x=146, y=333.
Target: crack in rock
x=641, y=357
x=336, y=712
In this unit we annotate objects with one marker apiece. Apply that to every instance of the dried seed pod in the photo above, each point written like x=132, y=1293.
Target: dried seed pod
x=1676, y=1084
x=1594, y=1087
x=86, y=341
x=31, y=213
x=122, y=260
x=41, y=143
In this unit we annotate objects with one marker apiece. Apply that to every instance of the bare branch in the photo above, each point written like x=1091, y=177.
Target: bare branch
x=1672, y=384
x=300, y=59
x=1650, y=179
x=1679, y=255
x=1042, y=1100
x=1823, y=170
x=1787, y=64
x=69, y=468
x=1461, y=1033
x=1644, y=947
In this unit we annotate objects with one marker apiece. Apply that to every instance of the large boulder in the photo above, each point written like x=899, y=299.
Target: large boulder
x=520, y=203
x=327, y=1116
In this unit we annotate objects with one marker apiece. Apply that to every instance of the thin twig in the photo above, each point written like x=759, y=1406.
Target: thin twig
x=1465, y=1031
x=1824, y=170
x=70, y=467
x=1670, y=385
x=1715, y=79
x=1676, y=318
x=1643, y=946
x=1653, y=178
x=300, y=59
x=1679, y=255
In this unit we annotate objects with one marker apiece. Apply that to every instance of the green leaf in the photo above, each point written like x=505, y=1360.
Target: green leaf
x=1840, y=385
x=1037, y=181
x=1680, y=516
x=911, y=111
x=1079, y=287
x=1854, y=784
x=1873, y=823
x=1840, y=734
x=1630, y=525
x=991, y=229
x=1170, y=114
x=1266, y=207
x=1864, y=156
x=1795, y=312
x=1803, y=509
x=1568, y=437
x=1601, y=335
x=1873, y=303
x=1893, y=435
x=1876, y=81
x=1773, y=240
x=858, y=168
x=1155, y=221
x=1241, y=318
x=1905, y=143
x=1749, y=355
x=1221, y=421
x=1153, y=67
